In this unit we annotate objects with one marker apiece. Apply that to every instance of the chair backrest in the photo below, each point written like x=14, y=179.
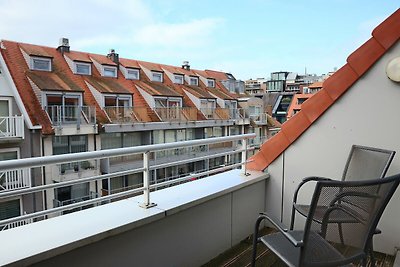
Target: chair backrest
x=367, y=163
x=358, y=205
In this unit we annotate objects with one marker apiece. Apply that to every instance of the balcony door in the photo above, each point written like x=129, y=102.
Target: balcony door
x=9, y=179
x=64, y=107
x=4, y=114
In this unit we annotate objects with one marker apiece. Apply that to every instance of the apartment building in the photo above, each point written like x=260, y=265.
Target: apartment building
x=56, y=101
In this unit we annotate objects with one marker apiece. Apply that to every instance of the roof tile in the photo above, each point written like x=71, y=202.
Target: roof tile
x=293, y=128
x=388, y=32
x=339, y=82
x=365, y=56
x=316, y=105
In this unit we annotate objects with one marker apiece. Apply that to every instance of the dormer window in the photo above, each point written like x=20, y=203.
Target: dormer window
x=109, y=71
x=210, y=83
x=132, y=74
x=178, y=78
x=41, y=63
x=83, y=68
x=194, y=81
x=156, y=76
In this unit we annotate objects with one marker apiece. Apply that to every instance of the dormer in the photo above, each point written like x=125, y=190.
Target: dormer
x=105, y=66
x=129, y=68
x=211, y=82
x=193, y=80
x=178, y=78
x=79, y=63
x=157, y=76
x=36, y=57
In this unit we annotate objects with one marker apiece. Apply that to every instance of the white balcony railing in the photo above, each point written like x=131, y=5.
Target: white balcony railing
x=146, y=169
x=12, y=127
x=15, y=179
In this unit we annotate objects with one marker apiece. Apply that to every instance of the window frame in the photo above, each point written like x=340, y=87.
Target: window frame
x=181, y=76
x=157, y=73
x=129, y=76
x=109, y=68
x=194, y=78
x=83, y=64
x=211, y=81
x=48, y=60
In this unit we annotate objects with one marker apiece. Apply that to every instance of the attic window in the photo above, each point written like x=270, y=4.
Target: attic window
x=156, y=76
x=194, y=81
x=210, y=82
x=110, y=72
x=178, y=78
x=132, y=74
x=83, y=68
x=39, y=63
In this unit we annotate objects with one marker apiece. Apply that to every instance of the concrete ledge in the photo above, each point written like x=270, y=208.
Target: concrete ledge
x=39, y=241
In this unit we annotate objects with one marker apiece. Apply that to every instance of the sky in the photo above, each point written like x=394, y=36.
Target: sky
x=249, y=39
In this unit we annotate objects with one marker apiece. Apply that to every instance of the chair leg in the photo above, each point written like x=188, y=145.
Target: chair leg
x=292, y=218
x=256, y=240
x=371, y=253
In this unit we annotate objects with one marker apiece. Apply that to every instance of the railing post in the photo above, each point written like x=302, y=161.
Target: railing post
x=244, y=157
x=146, y=182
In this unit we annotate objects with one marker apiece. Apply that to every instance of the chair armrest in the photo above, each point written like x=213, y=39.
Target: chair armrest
x=283, y=229
x=306, y=180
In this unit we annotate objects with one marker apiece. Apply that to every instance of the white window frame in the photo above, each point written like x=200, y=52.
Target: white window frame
x=212, y=81
x=180, y=79
x=83, y=64
x=117, y=98
x=32, y=61
x=130, y=76
x=169, y=99
x=110, y=68
x=193, y=78
x=63, y=94
x=157, y=73
x=8, y=99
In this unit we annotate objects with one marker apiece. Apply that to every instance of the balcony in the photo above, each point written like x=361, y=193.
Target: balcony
x=15, y=179
x=259, y=119
x=219, y=113
x=69, y=119
x=188, y=224
x=176, y=114
x=121, y=115
x=12, y=128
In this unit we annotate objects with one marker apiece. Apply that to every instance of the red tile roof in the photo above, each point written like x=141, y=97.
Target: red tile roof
x=103, y=60
x=129, y=63
x=294, y=105
x=107, y=85
x=315, y=85
x=383, y=37
x=34, y=50
x=78, y=56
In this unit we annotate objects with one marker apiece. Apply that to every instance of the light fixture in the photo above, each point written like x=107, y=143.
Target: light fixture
x=393, y=69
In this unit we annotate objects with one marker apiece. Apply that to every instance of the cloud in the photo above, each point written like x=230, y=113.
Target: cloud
x=194, y=33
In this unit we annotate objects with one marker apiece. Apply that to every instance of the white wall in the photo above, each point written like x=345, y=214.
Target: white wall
x=366, y=115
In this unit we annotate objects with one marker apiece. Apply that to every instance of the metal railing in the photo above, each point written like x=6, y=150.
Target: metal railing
x=11, y=165
x=77, y=115
x=261, y=118
x=176, y=114
x=15, y=179
x=11, y=127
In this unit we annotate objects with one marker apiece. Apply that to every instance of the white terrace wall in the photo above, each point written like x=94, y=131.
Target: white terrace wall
x=368, y=114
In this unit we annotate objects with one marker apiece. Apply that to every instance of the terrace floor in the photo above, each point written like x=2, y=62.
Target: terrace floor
x=240, y=256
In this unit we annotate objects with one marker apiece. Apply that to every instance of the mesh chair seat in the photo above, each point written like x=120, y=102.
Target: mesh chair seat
x=319, y=252
x=336, y=217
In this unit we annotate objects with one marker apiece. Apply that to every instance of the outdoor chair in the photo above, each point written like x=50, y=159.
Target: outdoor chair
x=319, y=244
x=363, y=163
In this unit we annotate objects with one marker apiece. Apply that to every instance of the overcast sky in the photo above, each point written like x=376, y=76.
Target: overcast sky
x=247, y=38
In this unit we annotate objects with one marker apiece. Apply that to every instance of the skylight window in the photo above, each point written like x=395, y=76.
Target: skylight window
x=41, y=64
x=194, y=81
x=178, y=78
x=110, y=72
x=156, y=76
x=83, y=68
x=132, y=74
x=210, y=83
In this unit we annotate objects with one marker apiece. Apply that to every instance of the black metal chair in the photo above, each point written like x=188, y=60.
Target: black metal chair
x=319, y=244
x=363, y=163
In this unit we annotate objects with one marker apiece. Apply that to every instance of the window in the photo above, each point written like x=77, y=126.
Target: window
x=178, y=78
x=69, y=144
x=194, y=81
x=132, y=74
x=10, y=209
x=161, y=102
x=83, y=68
x=41, y=64
x=110, y=72
x=210, y=83
x=157, y=76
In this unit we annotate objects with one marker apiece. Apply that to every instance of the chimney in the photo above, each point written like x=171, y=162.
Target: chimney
x=113, y=56
x=63, y=46
x=185, y=65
